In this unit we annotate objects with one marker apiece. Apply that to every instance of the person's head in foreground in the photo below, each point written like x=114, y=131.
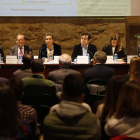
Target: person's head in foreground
x=128, y=104
x=100, y=57
x=27, y=59
x=9, y=121
x=16, y=85
x=134, y=69
x=64, y=60
x=114, y=87
x=73, y=88
x=71, y=119
x=37, y=66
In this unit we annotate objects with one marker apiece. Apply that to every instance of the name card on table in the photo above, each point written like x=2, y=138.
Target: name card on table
x=82, y=60
x=11, y=59
x=56, y=59
x=35, y=56
x=129, y=58
x=109, y=59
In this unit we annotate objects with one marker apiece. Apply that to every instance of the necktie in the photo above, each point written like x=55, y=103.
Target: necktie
x=21, y=52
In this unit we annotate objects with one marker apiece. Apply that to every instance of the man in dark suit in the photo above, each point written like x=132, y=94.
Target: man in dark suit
x=84, y=48
x=49, y=47
x=58, y=76
x=20, y=47
x=99, y=70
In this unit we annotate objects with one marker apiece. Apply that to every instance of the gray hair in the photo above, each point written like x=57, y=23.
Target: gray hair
x=65, y=61
x=100, y=56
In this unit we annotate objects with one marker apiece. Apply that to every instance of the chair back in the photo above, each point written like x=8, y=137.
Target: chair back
x=95, y=90
x=59, y=87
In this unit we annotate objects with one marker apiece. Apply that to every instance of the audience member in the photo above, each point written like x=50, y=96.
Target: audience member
x=49, y=47
x=58, y=76
x=84, y=48
x=108, y=107
x=126, y=119
x=26, y=113
x=20, y=47
x=99, y=70
x=71, y=120
x=26, y=70
x=3, y=80
x=2, y=53
x=10, y=124
x=134, y=70
x=38, y=84
x=115, y=47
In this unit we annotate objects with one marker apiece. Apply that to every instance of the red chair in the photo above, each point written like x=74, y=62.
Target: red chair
x=122, y=137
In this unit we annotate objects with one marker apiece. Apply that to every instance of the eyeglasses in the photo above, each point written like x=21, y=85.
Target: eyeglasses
x=20, y=40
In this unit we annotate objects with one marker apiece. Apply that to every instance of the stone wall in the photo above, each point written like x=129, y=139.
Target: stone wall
x=66, y=31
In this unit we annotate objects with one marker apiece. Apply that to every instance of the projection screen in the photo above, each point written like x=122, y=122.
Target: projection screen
x=69, y=7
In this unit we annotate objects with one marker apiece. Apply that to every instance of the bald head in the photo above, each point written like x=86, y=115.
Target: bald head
x=65, y=60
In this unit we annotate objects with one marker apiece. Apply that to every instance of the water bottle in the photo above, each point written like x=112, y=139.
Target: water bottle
x=0, y=58
x=20, y=58
x=50, y=57
x=88, y=57
x=115, y=58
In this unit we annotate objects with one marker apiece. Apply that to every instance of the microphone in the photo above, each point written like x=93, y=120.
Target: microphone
x=134, y=49
x=91, y=54
x=138, y=50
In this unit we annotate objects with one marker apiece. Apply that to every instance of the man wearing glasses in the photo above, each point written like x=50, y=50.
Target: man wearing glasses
x=20, y=48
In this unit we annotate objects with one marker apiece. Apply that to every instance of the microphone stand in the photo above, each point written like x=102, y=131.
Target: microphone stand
x=138, y=50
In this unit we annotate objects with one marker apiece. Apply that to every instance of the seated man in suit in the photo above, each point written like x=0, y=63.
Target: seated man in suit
x=71, y=119
x=37, y=85
x=26, y=70
x=99, y=70
x=84, y=48
x=20, y=47
x=58, y=76
x=49, y=47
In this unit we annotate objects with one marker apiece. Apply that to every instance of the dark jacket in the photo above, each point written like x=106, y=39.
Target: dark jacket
x=43, y=51
x=58, y=76
x=37, y=85
x=99, y=71
x=78, y=51
x=121, y=54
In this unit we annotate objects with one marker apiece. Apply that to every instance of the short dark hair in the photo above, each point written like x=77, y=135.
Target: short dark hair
x=16, y=85
x=89, y=35
x=48, y=34
x=73, y=85
x=27, y=59
x=37, y=66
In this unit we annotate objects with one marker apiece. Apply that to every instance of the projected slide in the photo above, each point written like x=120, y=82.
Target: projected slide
x=65, y=7
x=104, y=7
